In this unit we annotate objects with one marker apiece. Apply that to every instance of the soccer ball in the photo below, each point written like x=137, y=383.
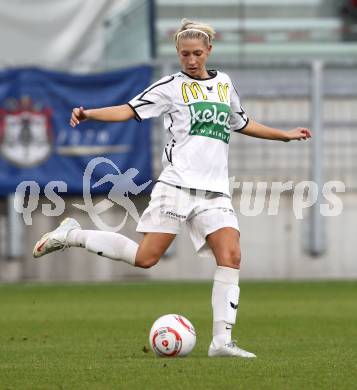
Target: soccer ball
x=172, y=335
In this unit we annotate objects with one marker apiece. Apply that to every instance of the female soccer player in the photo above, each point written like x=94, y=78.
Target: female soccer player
x=201, y=109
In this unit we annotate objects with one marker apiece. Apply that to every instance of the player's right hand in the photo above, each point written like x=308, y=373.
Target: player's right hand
x=78, y=115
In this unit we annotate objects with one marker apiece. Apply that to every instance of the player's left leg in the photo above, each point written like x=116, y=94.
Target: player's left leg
x=225, y=246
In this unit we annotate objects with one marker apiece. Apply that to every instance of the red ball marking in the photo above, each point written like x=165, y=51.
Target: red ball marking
x=188, y=327
x=165, y=343
x=178, y=343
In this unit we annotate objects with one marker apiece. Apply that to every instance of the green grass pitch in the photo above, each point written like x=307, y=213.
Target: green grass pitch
x=94, y=336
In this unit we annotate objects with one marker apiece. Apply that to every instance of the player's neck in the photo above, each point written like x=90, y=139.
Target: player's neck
x=203, y=75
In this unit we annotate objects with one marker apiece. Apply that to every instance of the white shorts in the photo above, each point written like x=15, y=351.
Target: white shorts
x=203, y=212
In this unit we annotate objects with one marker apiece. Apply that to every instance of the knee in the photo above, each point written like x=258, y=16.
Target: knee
x=230, y=258
x=147, y=261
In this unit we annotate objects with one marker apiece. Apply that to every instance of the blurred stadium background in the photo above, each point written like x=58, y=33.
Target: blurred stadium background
x=295, y=64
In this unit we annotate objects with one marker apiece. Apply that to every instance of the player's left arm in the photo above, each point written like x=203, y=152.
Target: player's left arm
x=258, y=130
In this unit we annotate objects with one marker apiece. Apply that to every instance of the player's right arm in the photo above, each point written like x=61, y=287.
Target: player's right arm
x=120, y=113
x=152, y=102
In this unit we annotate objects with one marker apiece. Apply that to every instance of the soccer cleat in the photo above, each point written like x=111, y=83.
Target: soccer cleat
x=229, y=349
x=55, y=240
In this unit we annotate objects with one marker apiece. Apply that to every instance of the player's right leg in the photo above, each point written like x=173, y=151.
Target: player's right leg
x=151, y=248
x=160, y=223
x=114, y=246
x=56, y=239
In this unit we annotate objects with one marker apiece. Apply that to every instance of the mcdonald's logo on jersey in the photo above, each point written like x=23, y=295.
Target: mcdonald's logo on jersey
x=223, y=91
x=195, y=90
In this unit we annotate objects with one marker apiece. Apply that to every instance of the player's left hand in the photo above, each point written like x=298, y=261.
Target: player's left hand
x=299, y=133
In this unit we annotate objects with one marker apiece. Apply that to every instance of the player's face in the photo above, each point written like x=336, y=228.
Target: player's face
x=193, y=54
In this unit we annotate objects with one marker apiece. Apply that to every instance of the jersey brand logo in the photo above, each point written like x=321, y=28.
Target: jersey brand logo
x=195, y=90
x=223, y=92
x=210, y=120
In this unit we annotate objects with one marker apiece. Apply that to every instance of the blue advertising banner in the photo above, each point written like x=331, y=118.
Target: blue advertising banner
x=38, y=144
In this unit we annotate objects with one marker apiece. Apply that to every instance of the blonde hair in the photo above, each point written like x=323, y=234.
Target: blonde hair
x=194, y=30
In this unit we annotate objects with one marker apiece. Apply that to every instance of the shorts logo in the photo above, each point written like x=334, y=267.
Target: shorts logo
x=210, y=120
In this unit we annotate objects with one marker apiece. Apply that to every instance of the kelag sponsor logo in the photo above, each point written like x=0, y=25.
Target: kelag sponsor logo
x=210, y=120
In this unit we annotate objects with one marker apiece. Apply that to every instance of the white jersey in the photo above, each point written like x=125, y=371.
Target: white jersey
x=200, y=115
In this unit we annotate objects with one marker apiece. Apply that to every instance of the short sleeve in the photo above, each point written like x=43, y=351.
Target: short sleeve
x=154, y=101
x=238, y=119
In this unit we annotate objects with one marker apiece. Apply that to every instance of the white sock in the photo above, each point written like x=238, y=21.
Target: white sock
x=115, y=246
x=225, y=298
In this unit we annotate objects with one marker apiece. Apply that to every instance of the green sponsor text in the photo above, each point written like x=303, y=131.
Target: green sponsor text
x=210, y=119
